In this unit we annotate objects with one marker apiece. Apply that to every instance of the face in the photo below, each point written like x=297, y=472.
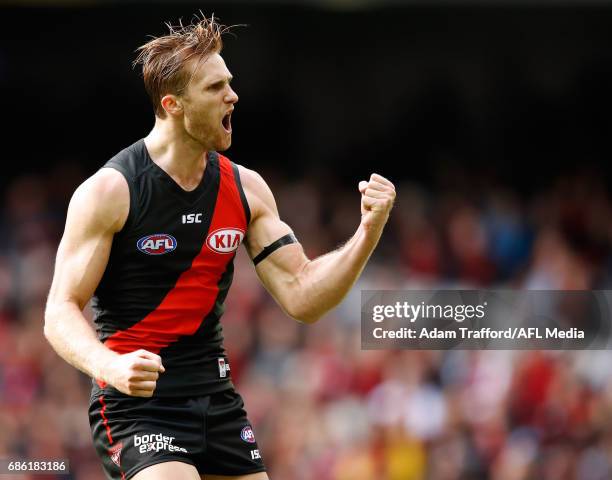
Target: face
x=208, y=103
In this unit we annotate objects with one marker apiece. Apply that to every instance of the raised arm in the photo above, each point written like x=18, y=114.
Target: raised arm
x=306, y=289
x=98, y=209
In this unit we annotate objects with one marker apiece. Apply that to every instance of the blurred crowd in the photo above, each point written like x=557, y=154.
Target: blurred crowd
x=322, y=408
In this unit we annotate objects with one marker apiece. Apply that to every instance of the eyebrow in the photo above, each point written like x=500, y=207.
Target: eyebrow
x=219, y=80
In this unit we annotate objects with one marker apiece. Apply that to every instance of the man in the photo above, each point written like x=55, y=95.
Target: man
x=151, y=238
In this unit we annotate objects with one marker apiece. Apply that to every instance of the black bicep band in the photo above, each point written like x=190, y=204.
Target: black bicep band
x=281, y=242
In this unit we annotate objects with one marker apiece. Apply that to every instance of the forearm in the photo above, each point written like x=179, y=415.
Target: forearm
x=325, y=281
x=307, y=289
x=72, y=337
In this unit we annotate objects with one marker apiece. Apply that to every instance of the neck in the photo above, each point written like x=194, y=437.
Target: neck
x=182, y=157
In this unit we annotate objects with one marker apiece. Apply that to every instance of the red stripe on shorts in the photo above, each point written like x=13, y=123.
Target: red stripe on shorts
x=105, y=420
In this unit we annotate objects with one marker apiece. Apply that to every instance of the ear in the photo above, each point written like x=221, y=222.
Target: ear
x=172, y=104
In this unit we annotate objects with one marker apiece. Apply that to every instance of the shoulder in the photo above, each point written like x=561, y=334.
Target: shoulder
x=132, y=160
x=103, y=198
x=266, y=226
x=257, y=191
x=253, y=182
x=106, y=182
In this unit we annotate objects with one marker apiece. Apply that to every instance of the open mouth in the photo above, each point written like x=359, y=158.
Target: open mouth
x=227, y=122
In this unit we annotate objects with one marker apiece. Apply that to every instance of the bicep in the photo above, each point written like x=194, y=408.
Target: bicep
x=93, y=215
x=284, y=263
x=81, y=260
x=266, y=227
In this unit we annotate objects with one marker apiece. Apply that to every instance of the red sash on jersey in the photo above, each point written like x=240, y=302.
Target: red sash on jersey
x=185, y=306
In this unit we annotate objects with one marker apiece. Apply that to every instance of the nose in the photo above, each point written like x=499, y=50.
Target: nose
x=232, y=96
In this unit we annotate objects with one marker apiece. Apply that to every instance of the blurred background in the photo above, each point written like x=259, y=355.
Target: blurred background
x=493, y=120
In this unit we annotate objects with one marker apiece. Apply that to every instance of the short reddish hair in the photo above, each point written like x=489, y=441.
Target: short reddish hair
x=166, y=60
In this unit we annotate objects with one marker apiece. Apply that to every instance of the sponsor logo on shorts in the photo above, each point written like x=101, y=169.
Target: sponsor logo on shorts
x=247, y=434
x=224, y=367
x=115, y=454
x=156, y=443
x=225, y=240
x=157, y=244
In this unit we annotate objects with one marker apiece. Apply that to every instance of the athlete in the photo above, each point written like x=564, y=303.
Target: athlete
x=150, y=239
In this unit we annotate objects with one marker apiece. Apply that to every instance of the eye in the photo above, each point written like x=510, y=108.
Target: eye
x=219, y=85
x=215, y=86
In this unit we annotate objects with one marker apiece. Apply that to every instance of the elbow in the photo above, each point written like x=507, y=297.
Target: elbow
x=307, y=319
x=50, y=321
x=304, y=310
x=48, y=326
x=303, y=314
x=299, y=302
x=48, y=333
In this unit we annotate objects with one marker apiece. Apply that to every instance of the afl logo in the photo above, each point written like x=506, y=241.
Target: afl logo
x=157, y=244
x=247, y=434
x=225, y=240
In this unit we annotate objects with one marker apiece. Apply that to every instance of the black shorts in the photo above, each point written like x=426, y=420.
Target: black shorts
x=211, y=433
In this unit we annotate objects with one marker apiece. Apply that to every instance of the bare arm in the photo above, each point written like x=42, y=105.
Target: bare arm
x=98, y=209
x=307, y=289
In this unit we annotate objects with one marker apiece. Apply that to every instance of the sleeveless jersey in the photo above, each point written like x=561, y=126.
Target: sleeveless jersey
x=170, y=269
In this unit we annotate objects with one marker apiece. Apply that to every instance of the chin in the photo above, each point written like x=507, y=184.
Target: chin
x=224, y=145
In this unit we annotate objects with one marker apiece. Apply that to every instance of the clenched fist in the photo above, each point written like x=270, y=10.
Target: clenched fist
x=377, y=197
x=135, y=373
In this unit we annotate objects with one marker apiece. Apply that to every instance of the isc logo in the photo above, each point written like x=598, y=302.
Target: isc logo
x=192, y=218
x=157, y=244
x=225, y=240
